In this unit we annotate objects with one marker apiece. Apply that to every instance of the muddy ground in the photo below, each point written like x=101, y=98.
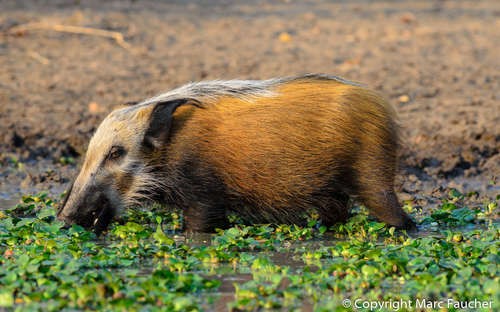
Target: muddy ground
x=437, y=62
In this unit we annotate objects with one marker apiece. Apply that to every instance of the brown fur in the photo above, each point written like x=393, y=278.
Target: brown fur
x=313, y=142
x=308, y=147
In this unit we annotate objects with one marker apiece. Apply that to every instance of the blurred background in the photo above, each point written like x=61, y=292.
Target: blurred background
x=65, y=64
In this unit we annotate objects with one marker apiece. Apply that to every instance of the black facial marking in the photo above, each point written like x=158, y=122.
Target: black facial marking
x=133, y=167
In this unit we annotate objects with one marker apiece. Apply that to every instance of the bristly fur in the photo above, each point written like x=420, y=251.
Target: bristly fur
x=269, y=150
x=209, y=91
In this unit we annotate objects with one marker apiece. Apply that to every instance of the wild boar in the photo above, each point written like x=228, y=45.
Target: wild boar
x=268, y=150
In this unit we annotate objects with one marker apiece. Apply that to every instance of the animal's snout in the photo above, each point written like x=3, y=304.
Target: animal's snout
x=90, y=208
x=66, y=212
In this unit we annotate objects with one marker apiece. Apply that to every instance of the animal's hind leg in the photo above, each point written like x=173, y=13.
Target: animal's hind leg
x=334, y=209
x=384, y=205
x=377, y=193
x=374, y=183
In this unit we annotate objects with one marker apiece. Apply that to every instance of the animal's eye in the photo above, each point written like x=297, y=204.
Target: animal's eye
x=116, y=153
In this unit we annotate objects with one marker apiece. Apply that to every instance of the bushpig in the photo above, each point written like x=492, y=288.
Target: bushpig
x=268, y=150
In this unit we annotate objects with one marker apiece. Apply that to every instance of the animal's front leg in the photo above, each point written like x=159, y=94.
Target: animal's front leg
x=201, y=217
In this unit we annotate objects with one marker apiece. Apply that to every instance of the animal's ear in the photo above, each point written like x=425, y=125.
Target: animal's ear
x=160, y=121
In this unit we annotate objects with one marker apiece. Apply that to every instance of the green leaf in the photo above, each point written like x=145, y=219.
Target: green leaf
x=369, y=271
x=161, y=237
x=6, y=298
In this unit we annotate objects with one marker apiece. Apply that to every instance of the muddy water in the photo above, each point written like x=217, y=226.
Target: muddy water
x=30, y=178
x=10, y=200
x=6, y=203
x=286, y=255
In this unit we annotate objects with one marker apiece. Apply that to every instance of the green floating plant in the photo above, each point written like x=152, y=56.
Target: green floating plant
x=145, y=263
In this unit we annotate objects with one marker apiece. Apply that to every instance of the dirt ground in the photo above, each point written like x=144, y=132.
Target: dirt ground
x=437, y=62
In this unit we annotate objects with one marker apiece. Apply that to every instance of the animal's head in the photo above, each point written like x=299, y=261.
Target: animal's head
x=117, y=171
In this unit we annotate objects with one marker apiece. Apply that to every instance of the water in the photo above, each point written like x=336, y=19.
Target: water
x=229, y=275
x=6, y=203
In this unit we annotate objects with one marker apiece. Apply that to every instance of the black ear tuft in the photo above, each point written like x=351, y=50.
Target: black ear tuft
x=160, y=121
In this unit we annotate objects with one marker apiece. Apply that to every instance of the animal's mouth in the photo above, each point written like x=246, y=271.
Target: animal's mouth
x=98, y=220
x=98, y=216
x=101, y=217
x=94, y=211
